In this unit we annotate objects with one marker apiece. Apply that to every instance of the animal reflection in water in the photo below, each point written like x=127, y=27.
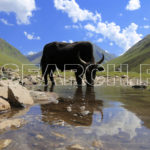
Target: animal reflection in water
x=81, y=108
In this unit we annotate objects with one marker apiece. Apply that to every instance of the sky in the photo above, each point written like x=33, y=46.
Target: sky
x=114, y=25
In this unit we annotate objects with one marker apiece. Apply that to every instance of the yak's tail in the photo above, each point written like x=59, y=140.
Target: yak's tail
x=43, y=64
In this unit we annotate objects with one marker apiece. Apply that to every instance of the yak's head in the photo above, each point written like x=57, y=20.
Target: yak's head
x=91, y=69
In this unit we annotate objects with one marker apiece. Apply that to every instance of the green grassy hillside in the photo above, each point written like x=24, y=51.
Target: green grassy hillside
x=9, y=54
x=136, y=55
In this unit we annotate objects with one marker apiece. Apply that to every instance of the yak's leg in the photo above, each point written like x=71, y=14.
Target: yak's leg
x=45, y=79
x=51, y=76
x=79, y=76
x=52, y=80
x=45, y=88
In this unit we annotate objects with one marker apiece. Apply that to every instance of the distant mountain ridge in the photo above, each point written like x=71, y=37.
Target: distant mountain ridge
x=136, y=55
x=35, y=58
x=9, y=54
x=98, y=54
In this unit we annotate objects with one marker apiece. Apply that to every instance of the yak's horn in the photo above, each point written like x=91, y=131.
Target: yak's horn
x=99, y=62
x=81, y=60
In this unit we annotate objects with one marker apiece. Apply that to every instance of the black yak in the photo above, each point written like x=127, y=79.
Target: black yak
x=70, y=56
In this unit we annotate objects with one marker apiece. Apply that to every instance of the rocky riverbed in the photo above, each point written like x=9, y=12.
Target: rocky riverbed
x=71, y=118
x=16, y=98
x=36, y=80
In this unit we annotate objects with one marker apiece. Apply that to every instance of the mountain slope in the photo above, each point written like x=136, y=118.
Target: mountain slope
x=136, y=55
x=97, y=54
x=35, y=58
x=9, y=54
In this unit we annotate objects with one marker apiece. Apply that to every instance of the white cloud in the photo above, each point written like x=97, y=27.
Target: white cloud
x=31, y=53
x=90, y=27
x=111, y=44
x=145, y=19
x=70, y=41
x=120, y=14
x=100, y=40
x=22, y=8
x=124, y=38
x=75, y=12
x=77, y=26
x=74, y=26
x=146, y=26
x=106, y=51
x=4, y=21
x=64, y=41
x=31, y=36
x=133, y=5
x=67, y=27
x=89, y=34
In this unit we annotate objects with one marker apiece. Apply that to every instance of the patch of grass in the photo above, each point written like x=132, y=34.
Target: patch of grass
x=144, y=76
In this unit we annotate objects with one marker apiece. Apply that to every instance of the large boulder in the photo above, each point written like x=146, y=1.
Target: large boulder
x=4, y=105
x=4, y=92
x=4, y=87
x=1, y=84
x=19, y=96
x=6, y=83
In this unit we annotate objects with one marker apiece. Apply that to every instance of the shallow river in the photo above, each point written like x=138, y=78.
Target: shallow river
x=107, y=118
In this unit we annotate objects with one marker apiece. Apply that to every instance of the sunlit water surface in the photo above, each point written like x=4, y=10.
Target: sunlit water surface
x=119, y=117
